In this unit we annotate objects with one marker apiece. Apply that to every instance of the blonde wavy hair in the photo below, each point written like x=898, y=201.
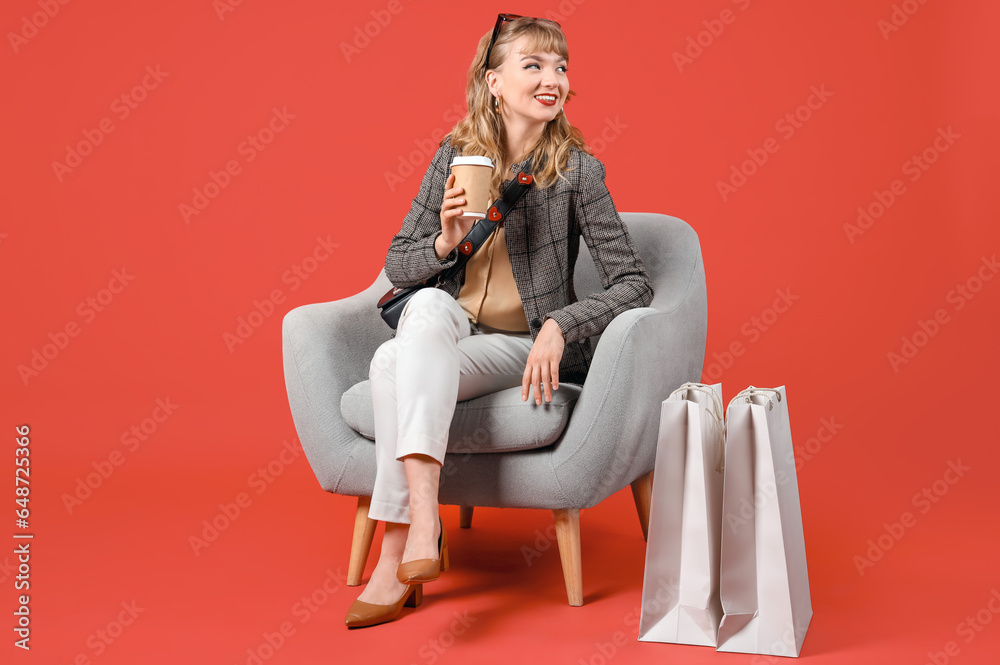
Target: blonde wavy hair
x=482, y=131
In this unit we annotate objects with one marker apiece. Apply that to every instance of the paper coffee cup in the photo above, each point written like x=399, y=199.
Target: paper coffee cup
x=474, y=175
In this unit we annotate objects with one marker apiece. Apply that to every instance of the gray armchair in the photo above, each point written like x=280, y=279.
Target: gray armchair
x=565, y=455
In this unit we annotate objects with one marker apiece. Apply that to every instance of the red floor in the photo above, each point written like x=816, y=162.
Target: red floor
x=274, y=577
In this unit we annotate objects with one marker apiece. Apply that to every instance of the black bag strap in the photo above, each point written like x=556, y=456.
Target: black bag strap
x=485, y=226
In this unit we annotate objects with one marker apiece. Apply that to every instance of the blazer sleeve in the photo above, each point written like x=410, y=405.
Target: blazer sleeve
x=622, y=272
x=411, y=258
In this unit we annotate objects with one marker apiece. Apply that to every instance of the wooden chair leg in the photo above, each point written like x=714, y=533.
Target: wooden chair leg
x=361, y=542
x=642, y=492
x=465, y=516
x=568, y=537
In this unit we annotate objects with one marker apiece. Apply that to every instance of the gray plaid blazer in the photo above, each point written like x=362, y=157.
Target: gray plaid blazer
x=543, y=237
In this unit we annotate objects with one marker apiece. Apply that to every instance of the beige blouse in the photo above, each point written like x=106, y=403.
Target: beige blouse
x=489, y=295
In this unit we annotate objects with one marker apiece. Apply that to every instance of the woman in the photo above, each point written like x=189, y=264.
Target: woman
x=510, y=317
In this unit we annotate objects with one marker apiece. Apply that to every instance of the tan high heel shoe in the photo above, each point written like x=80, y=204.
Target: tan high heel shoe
x=419, y=571
x=369, y=614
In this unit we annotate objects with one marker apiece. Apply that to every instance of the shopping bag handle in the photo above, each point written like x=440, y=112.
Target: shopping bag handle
x=751, y=391
x=717, y=415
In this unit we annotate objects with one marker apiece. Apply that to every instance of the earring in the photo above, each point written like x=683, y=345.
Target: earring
x=498, y=104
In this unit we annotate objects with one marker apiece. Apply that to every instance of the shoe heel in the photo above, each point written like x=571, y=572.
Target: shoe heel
x=416, y=596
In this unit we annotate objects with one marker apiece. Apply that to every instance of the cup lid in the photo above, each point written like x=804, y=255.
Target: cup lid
x=473, y=161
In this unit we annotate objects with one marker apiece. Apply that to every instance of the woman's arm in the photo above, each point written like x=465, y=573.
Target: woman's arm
x=412, y=257
x=623, y=274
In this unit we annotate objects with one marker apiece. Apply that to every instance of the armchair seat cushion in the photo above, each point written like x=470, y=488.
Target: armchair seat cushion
x=491, y=423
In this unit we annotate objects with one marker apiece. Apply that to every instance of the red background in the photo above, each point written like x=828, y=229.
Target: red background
x=680, y=130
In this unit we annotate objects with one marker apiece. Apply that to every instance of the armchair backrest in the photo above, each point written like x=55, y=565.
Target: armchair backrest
x=670, y=250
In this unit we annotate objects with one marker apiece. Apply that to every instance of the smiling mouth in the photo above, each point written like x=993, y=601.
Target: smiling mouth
x=548, y=100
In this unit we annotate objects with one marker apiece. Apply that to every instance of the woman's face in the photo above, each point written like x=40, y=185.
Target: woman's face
x=534, y=86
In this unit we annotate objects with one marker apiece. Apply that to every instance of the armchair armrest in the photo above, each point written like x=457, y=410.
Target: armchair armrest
x=643, y=355
x=327, y=348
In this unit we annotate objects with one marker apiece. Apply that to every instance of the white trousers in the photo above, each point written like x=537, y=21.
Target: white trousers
x=437, y=358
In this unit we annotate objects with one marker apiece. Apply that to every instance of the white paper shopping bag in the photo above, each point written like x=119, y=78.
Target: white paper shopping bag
x=764, y=583
x=680, y=589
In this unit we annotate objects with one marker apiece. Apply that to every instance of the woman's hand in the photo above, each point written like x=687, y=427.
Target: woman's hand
x=542, y=368
x=453, y=226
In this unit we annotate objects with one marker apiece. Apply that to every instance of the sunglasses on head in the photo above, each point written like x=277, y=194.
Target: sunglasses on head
x=496, y=31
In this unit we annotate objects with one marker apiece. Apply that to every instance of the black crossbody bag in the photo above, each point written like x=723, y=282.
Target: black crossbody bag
x=395, y=299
